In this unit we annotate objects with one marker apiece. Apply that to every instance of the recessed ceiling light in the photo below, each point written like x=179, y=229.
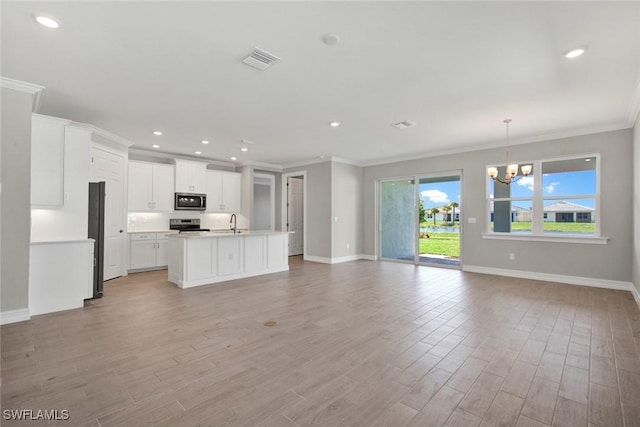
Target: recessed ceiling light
x=244, y=149
x=198, y=152
x=404, y=125
x=47, y=21
x=330, y=39
x=157, y=132
x=205, y=142
x=234, y=158
x=155, y=146
x=334, y=124
x=574, y=53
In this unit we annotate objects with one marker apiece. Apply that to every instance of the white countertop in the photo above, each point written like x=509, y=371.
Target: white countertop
x=211, y=234
x=151, y=231
x=51, y=242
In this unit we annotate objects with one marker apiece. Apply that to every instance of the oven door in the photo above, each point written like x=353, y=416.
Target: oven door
x=190, y=202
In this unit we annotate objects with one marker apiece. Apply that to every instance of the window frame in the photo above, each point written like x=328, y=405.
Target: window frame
x=537, y=202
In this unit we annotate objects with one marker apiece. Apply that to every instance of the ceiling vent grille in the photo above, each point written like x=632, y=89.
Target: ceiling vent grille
x=260, y=59
x=404, y=125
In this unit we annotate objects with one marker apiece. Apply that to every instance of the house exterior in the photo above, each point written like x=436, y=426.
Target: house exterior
x=562, y=211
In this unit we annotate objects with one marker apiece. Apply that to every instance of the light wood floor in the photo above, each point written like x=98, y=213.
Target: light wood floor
x=355, y=344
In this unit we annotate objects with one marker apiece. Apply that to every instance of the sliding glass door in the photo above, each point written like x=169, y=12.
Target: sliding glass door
x=398, y=219
x=419, y=219
x=440, y=212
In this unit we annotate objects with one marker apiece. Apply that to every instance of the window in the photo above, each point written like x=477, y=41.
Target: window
x=559, y=198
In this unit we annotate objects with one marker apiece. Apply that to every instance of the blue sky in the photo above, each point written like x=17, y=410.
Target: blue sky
x=440, y=194
x=558, y=185
x=554, y=185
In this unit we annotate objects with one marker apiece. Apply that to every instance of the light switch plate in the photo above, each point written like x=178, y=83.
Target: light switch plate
x=471, y=220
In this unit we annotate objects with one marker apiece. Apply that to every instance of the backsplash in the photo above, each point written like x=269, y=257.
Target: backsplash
x=142, y=221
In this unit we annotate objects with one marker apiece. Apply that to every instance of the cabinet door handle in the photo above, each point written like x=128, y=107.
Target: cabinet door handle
x=154, y=205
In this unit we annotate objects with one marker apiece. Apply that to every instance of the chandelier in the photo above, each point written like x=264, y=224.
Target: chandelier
x=512, y=169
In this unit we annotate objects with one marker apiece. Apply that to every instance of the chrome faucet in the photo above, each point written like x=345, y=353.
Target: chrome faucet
x=233, y=221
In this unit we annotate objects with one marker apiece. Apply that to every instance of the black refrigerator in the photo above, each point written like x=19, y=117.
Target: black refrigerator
x=96, y=232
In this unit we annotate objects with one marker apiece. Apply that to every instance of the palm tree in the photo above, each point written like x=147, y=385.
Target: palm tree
x=446, y=210
x=433, y=212
x=453, y=205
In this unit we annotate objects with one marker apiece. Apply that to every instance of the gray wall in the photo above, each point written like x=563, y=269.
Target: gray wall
x=636, y=205
x=611, y=261
x=318, y=214
x=15, y=201
x=261, y=219
x=346, y=205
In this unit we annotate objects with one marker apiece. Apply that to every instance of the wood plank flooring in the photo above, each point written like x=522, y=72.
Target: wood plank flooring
x=355, y=344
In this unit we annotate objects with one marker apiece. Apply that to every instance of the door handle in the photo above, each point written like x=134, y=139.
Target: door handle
x=121, y=231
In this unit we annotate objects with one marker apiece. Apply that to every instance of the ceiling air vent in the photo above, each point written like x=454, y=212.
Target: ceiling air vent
x=260, y=59
x=404, y=125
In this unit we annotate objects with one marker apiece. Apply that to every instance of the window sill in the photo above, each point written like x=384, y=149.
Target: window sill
x=569, y=238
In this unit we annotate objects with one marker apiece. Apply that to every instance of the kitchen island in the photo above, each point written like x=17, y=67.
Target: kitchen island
x=204, y=258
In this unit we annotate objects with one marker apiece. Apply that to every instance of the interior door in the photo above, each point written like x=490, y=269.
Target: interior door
x=109, y=167
x=295, y=214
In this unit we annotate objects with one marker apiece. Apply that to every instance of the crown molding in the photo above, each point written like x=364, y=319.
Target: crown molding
x=105, y=137
x=173, y=156
x=262, y=165
x=20, y=86
x=323, y=159
x=500, y=144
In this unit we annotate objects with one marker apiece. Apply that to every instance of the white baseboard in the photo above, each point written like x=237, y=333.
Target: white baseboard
x=317, y=259
x=339, y=260
x=559, y=278
x=13, y=316
x=636, y=294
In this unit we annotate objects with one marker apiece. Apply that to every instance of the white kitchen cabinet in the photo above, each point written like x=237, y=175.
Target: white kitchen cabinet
x=230, y=256
x=148, y=250
x=255, y=253
x=224, y=191
x=47, y=161
x=202, y=259
x=151, y=186
x=191, y=177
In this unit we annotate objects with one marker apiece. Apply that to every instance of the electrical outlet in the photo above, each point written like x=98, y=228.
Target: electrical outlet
x=512, y=256
x=347, y=246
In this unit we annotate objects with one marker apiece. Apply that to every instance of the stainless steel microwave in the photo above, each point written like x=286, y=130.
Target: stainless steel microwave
x=190, y=202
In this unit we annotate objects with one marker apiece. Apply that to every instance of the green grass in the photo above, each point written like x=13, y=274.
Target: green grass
x=447, y=244
x=562, y=227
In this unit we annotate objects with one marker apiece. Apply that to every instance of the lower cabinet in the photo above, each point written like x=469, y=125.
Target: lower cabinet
x=202, y=260
x=148, y=250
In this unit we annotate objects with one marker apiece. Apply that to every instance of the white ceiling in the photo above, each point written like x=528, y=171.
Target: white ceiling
x=455, y=68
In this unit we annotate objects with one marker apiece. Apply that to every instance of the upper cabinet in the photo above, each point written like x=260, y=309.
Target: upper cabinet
x=47, y=161
x=191, y=177
x=151, y=186
x=223, y=191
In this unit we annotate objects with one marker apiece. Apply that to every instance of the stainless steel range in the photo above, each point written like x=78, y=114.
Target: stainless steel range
x=186, y=225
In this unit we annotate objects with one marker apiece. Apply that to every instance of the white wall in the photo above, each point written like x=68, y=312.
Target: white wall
x=69, y=222
x=636, y=206
x=608, y=262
